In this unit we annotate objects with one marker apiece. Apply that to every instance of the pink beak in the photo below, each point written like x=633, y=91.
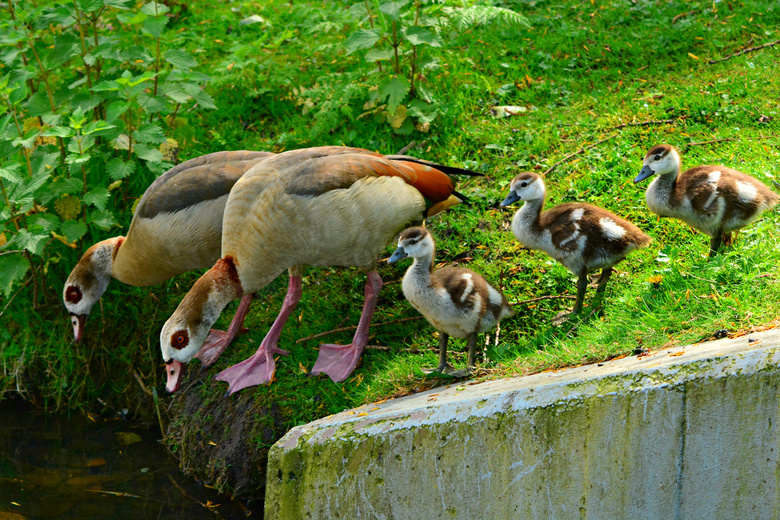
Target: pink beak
x=78, y=321
x=173, y=370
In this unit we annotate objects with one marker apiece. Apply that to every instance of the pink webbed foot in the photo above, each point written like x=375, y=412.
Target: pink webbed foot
x=258, y=369
x=337, y=361
x=215, y=344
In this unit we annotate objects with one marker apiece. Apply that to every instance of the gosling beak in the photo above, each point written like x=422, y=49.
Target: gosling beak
x=510, y=199
x=173, y=369
x=78, y=321
x=399, y=254
x=643, y=174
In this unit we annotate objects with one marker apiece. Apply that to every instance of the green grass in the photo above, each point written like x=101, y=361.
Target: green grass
x=582, y=70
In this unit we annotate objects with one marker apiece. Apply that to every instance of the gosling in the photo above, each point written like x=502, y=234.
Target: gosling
x=713, y=199
x=457, y=301
x=580, y=236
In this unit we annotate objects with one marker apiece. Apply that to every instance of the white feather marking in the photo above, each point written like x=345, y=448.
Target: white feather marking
x=494, y=295
x=746, y=191
x=611, y=229
x=469, y=287
x=577, y=214
x=713, y=177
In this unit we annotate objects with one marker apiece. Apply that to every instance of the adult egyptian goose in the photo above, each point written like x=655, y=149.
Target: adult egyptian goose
x=713, y=199
x=176, y=227
x=457, y=301
x=580, y=236
x=328, y=206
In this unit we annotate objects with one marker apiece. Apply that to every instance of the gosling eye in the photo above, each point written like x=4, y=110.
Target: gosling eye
x=523, y=184
x=657, y=158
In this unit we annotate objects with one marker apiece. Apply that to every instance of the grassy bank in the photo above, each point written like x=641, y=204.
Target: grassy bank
x=606, y=79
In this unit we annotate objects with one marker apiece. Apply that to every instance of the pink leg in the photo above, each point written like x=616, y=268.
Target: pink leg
x=338, y=361
x=217, y=341
x=260, y=367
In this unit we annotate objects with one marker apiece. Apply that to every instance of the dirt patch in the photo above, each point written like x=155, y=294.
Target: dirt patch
x=224, y=441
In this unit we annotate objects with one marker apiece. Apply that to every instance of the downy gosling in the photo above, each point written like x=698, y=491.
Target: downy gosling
x=580, y=236
x=713, y=199
x=455, y=300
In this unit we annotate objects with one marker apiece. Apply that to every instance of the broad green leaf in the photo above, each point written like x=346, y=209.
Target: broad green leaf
x=149, y=133
x=155, y=25
x=394, y=90
x=179, y=58
x=379, y=54
x=38, y=104
x=61, y=53
x=177, y=94
x=66, y=185
x=96, y=127
x=73, y=230
x=119, y=4
x=115, y=111
x=467, y=17
x=28, y=140
x=45, y=162
x=32, y=185
x=97, y=197
x=148, y=153
x=103, y=219
x=89, y=6
x=200, y=95
x=11, y=175
x=106, y=86
x=152, y=104
x=422, y=36
x=393, y=9
x=119, y=169
x=59, y=131
x=155, y=9
x=32, y=242
x=47, y=222
x=361, y=39
x=13, y=267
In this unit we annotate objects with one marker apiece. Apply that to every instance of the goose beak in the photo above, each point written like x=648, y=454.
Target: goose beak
x=173, y=370
x=399, y=254
x=644, y=174
x=510, y=199
x=78, y=320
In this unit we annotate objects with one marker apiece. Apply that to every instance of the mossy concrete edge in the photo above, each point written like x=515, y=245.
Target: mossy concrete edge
x=689, y=432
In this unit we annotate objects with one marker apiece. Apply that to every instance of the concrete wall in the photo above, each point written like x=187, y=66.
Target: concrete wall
x=686, y=433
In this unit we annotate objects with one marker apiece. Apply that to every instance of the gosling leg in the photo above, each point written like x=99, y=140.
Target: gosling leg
x=443, y=367
x=715, y=243
x=601, y=283
x=582, y=286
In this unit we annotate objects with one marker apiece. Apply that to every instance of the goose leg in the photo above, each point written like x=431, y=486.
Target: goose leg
x=601, y=283
x=715, y=244
x=260, y=367
x=338, y=361
x=217, y=341
x=443, y=367
x=582, y=286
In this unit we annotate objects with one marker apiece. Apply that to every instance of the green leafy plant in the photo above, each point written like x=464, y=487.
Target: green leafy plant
x=89, y=111
x=401, y=38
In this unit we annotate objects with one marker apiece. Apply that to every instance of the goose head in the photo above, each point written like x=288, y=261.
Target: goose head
x=525, y=186
x=186, y=330
x=416, y=242
x=660, y=160
x=88, y=281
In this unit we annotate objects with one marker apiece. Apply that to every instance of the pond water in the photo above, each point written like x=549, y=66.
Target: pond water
x=86, y=467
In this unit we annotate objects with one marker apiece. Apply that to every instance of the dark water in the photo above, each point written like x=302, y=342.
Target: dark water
x=55, y=467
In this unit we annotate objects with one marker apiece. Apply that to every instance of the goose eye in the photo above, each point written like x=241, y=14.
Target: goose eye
x=657, y=158
x=73, y=294
x=523, y=184
x=180, y=340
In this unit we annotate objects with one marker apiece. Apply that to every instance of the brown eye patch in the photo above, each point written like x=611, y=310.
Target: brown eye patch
x=73, y=294
x=180, y=339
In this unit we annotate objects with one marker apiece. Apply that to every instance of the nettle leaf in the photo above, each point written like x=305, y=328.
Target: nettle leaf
x=103, y=219
x=107, y=85
x=32, y=242
x=97, y=197
x=201, y=96
x=361, y=39
x=180, y=59
x=61, y=53
x=148, y=153
x=155, y=9
x=115, y=110
x=155, y=25
x=149, y=133
x=13, y=267
x=119, y=4
x=10, y=174
x=119, y=169
x=89, y=6
x=97, y=127
x=379, y=54
x=177, y=94
x=47, y=222
x=32, y=185
x=45, y=162
x=152, y=104
x=73, y=230
x=66, y=185
x=393, y=9
x=394, y=90
x=59, y=131
x=421, y=36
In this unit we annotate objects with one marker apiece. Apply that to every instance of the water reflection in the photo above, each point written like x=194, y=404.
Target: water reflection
x=80, y=467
